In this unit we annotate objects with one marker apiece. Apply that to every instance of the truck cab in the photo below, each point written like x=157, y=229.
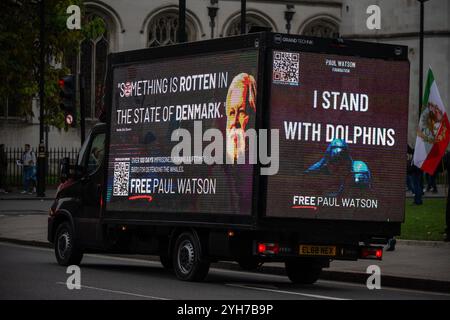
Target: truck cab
x=74, y=221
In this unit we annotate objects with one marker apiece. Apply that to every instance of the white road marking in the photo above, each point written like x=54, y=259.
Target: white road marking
x=119, y=292
x=363, y=286
x=264, y=275
x=286, y=292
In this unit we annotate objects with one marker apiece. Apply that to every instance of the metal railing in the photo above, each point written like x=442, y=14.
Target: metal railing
x=14, y=172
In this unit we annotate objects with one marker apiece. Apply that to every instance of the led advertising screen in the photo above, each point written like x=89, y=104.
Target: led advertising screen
x=181, y=103
x=343, y=124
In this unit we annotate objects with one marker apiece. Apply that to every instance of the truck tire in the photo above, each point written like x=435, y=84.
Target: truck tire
x=188, y=261
x=66, y=251
x=166, y=261
x=302, y=272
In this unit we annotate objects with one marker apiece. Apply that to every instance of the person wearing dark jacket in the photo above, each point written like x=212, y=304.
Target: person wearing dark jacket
x=415, y=176
x=409, y=178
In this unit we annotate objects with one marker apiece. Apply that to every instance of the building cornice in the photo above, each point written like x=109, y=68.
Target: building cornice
x=321, y=3
x=436, y=33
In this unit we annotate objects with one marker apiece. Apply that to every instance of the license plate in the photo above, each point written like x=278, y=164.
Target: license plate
x=308, y=250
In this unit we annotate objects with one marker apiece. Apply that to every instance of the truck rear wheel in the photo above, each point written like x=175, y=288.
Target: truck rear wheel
x=188, y=261
x=66, y=251
x=302, y=272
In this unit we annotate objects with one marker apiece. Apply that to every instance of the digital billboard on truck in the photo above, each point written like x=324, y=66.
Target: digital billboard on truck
x=343, y=126
x=150, y=101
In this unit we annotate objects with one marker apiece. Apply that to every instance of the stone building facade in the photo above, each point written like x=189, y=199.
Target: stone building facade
x=141, y=23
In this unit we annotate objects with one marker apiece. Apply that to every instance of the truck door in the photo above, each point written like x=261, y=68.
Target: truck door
x=91, y=189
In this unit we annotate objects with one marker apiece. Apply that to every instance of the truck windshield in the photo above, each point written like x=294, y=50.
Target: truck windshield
x=96, y=153
x=80, y=161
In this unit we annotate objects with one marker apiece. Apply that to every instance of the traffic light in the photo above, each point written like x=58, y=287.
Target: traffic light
x=68, y=96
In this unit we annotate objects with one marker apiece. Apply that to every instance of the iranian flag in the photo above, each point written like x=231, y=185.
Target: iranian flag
x=433, y=131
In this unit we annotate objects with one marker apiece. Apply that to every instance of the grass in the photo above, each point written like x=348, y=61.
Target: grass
x=425, y=222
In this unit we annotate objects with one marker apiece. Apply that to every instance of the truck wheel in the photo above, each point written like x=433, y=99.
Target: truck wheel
x=66, y=251
x=302, y=272
x=166, y=261
x=189, y=263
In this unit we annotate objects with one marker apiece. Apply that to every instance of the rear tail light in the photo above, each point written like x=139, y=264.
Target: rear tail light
x=375, y=253
x=261, y=248
x=268, y=248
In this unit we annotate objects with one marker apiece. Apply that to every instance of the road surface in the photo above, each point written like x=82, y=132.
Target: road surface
x=32, y=273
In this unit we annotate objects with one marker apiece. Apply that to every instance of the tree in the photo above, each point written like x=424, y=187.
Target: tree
x=19, y=51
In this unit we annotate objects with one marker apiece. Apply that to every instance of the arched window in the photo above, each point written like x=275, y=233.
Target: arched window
x=321, y=28
x=251, y=20
x=163, y=29
x=93, y=64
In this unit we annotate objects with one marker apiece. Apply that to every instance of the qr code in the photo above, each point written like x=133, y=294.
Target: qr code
x=121, y=177
x=286, y=67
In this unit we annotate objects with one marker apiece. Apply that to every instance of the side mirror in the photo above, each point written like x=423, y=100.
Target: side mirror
x=76, y=171
x=68, y=170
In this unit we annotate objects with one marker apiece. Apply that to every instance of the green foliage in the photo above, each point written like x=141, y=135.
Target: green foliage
x=93, y=28
x=19, y=51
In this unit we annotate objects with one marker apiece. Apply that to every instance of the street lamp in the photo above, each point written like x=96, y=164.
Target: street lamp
x=243, y=16
x=212, y=13
x=288, y=14
x=181, y=21
x=422, y=13
x=41, y=151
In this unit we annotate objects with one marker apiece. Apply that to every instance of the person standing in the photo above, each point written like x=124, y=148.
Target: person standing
x=431, y=182
x=409, y=169
x=415, y=175
x=28, y=162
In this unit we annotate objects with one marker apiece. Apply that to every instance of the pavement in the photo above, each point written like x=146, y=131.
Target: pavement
x=15, y=194
x=418, y=265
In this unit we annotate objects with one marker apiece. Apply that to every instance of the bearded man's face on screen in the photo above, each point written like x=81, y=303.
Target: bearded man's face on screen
x=240, y=107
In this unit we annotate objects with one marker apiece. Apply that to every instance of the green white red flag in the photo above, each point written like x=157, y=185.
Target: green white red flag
x=433, y=132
